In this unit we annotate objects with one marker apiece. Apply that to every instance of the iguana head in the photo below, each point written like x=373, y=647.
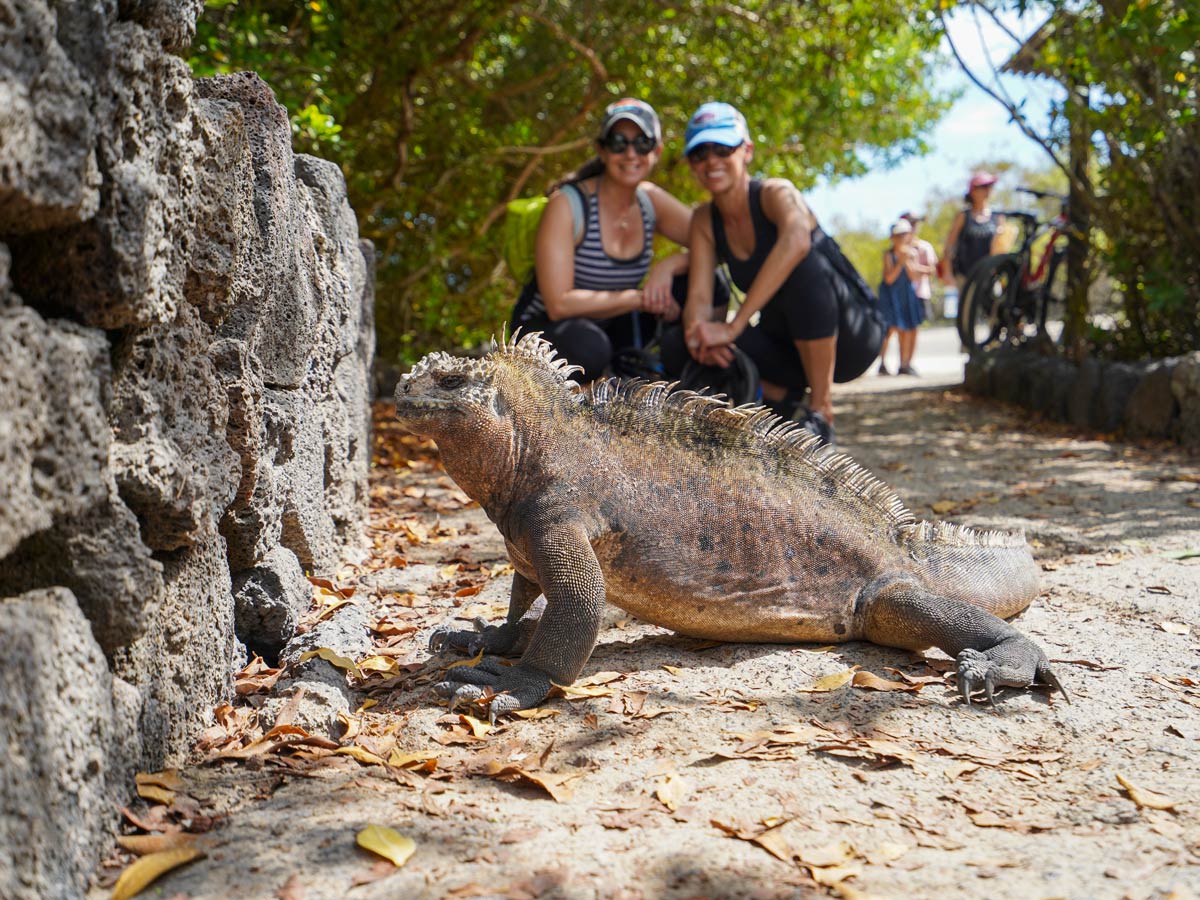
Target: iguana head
x=477, y=402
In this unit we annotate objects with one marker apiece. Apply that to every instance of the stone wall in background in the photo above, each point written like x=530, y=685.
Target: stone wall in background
x=1156, y=399
x=185, y=340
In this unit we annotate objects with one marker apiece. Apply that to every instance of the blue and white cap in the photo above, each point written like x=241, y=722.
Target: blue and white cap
x=715, y=123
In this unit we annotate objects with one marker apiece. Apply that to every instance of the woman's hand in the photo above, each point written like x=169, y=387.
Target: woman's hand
x=709, y=342
x=656, y=292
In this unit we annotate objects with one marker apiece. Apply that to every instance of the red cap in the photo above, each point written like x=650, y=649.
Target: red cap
x=981, y=179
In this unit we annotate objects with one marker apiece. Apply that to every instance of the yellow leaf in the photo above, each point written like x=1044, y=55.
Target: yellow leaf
x=330, y=610
x=478, y=729
x=886, y=852
x=155, y=793
x=426, y=761
x=384, y=664
x=473, y=661
x=836, y=854
x=942, y=507
x=146, y=869
x=362, y=754
x=387, y=842
x=830, y=682
x=1145, y=797
x=334, y=659
x=833, y=876
x=367, y=704
x=579, y=692
x=674, y=670
x=672, y=791
x=600, y=678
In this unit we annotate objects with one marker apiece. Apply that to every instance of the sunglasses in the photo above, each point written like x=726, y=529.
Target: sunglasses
x=616, y=143
x=700, y=152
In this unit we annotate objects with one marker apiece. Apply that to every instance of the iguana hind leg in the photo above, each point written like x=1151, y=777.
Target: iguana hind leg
x=990, y=652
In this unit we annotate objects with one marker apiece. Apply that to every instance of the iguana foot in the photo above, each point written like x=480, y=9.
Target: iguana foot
x=1015, y=662
x=497, y=639
x=510, y=687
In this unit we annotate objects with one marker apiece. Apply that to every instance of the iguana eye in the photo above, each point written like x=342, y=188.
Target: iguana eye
x=451, y=382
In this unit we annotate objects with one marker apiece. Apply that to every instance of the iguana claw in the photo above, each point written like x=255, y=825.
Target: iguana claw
x=1013, y=663
x=499, y=639
x=510, y=687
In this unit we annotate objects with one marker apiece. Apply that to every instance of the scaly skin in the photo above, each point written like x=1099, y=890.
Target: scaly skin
x=717, y=523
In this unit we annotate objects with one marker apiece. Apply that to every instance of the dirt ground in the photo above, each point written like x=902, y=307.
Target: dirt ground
x=687, y=769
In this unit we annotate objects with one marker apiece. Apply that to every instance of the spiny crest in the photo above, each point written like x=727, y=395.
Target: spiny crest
x=532, y=347
x=748, y=431
x=948, y=534
x=444, y=363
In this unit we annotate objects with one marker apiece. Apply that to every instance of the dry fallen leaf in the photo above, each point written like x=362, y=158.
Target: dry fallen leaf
x=830, y=682
x=478, y=728
x=419, y=761
x=362, y=754
x=673, y=791
x=580, y=692
x=155, y=793
x=536, y=713
x=554, y=785
x=387, y=842
x=147, y=868
x=144, y=844
x=292, y=889
x=835, y=854
x=873, y=682
x=472, y=662
x=332, y=658
x=1144, y=797
x=772, y=838
x=1174, y=627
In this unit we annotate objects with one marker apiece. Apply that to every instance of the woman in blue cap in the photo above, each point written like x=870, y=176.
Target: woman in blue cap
x=597, y=288
x=818, y=318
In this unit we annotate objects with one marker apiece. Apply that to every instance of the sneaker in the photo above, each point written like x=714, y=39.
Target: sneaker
x=907, y=370
x=882, y=370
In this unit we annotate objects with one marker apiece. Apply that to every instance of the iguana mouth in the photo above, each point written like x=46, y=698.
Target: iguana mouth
x=422, y=404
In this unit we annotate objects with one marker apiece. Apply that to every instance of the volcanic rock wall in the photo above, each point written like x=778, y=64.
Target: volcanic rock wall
x=186, y=334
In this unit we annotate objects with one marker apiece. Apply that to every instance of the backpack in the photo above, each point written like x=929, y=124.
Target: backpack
x=522, y=217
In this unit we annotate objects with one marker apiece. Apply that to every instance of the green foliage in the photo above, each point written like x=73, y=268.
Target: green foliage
x=442, y=111
x=1140, y=66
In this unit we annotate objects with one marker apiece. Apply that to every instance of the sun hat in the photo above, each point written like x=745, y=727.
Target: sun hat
x=981, y=179
x=639, y=112
x=900, y=227
x=912, y=216
x=715, y=123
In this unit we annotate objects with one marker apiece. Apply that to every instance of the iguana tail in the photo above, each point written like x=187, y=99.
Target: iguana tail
x=990, y=569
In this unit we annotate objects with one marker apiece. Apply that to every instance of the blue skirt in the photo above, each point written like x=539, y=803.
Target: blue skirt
x=901, y=306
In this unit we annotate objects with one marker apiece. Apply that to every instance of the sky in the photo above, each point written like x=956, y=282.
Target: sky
x=975, y=129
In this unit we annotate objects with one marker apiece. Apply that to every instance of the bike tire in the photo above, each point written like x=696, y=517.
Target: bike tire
x=1054, y=291
x=986, y=297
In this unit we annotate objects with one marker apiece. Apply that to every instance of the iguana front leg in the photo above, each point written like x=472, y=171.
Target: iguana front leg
x=563, y=640
x=990, y=652
x=508, y=639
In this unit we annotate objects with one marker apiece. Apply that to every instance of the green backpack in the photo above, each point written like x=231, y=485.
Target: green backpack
x=521, y=220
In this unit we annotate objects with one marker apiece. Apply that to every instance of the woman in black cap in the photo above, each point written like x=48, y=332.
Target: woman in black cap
x=597, y=289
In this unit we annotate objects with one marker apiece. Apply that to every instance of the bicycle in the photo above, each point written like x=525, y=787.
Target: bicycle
x=1005, y=298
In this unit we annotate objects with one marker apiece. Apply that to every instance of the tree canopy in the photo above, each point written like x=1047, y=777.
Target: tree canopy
x=441, y=111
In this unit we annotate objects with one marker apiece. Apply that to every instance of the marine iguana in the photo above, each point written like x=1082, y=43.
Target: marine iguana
x=716, y=522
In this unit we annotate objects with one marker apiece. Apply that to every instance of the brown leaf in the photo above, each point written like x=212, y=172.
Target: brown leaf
x=1144, y=797
x=156, y=793
x=168, y=779
x=468, y=591
x=292, y=889
x=142, y=844
x=771, y=838
x=380, y=869
x=139, y=875
x=554, y=785
x=871, y=681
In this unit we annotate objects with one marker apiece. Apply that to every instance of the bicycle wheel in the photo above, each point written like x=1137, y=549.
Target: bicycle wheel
x=1053, y=305
x=986, y=300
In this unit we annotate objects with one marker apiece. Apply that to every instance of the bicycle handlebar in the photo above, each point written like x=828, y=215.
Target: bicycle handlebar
x=1040, y=195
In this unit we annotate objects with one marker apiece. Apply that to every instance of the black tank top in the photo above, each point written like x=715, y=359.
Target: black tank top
x=974, y=242
x=744, y=271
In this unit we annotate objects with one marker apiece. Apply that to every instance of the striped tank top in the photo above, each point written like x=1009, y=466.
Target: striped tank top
x=595, y=270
